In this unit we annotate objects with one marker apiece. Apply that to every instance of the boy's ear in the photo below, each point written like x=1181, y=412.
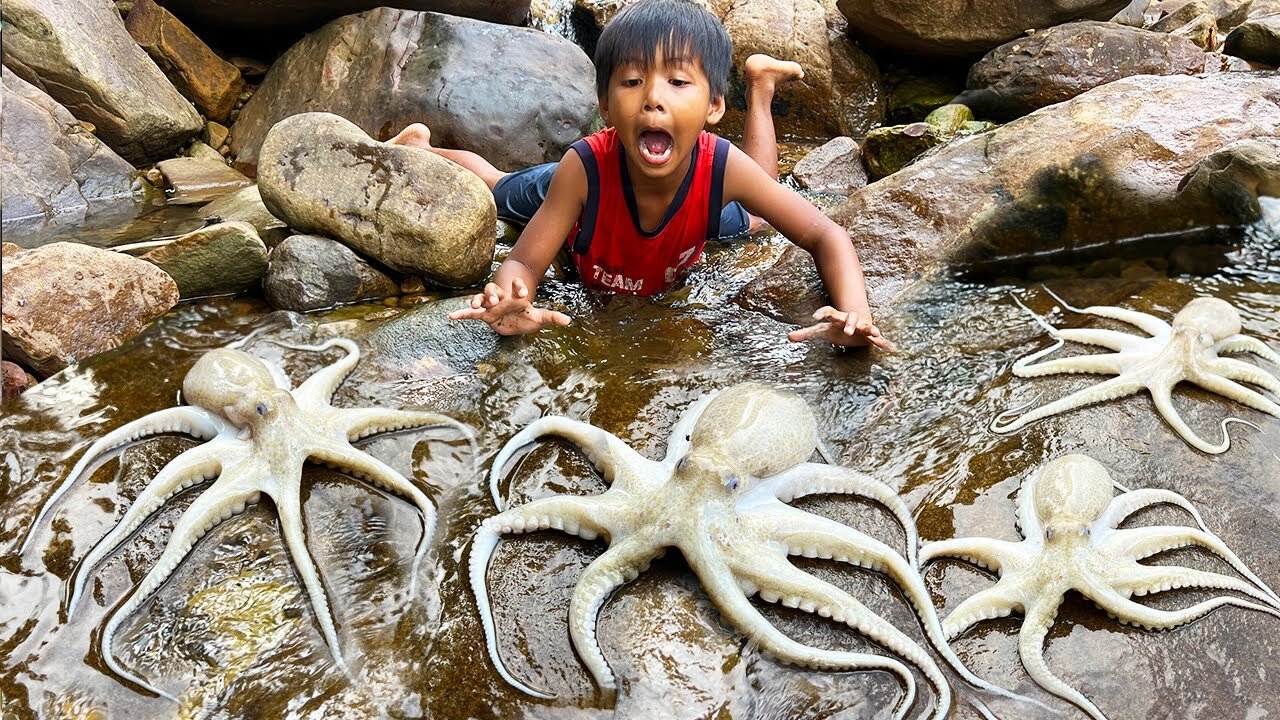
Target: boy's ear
x=604, y=109
x=716, y=111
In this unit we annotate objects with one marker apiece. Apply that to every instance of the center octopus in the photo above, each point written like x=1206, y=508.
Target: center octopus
x=1186, y=350
x=259, y=432
x=1070, y=521
x=733, y=461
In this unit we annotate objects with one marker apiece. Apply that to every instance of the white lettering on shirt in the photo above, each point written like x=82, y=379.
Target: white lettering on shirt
x=616, y=282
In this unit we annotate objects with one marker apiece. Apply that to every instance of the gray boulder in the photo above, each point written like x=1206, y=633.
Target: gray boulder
x=406, y=208
x=516, y=96
x=220, y=259
x=835, y=167
x=959, y=28
x=65, y=301
x=246, y=205
x=1062, y=62
x=79, y=52
x=309, y=272
x=52, y=166
x=1257, y=39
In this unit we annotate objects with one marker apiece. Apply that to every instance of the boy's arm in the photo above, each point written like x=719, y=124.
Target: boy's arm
x=850, y=321
x=506, y=303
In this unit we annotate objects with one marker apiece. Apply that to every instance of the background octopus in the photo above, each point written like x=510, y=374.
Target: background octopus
x=719, y=496
x=1069, y=519
x=1188, y=350
x=260, y=433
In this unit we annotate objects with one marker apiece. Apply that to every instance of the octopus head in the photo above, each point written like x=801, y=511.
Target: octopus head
x=1211, y=316
x=1070, y=494
x=712, y=473
x=229, y=382
x=763, y=429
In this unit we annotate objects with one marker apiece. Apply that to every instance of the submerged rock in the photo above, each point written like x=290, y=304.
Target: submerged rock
x=835, y=167
x=516, y=96
x=52, y=166
x=309, y=272
x=65, y=301
x=210, y=82
x=407, y=208
x=217, y=260
x=81, y=54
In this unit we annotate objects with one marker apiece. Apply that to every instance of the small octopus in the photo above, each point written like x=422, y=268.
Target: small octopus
x=1070, y=521
x=1188, y=350
x=732, y=463
x=260, y=433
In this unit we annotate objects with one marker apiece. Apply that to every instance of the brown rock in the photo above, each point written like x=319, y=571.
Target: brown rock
x=1201, y=30
x=1181, y=16
x=197, y=180
x=215, y=134
x=64, y=302
x=204, y=78
x=1257, y=40
x=16, y=380
x=835, y=167
x=246, y=205
x=215, y=260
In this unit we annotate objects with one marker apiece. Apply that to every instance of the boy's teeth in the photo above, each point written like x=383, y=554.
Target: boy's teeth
x=657, y=143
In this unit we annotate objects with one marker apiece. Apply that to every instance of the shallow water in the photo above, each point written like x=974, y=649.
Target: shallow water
x=233, y=635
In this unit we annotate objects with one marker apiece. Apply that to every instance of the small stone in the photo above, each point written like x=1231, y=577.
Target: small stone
x=200, y=150
x=16, y=380
x=835, y=167
x=198, y=180
x=215, y=134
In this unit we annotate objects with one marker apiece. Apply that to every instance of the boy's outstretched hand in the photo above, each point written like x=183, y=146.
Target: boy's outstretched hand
x=842, y=328
x=509, y=313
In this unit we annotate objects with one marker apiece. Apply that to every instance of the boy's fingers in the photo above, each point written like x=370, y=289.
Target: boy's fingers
x=882, y=343
x=519, y=289
x=809, y=333
x=556, y=318
x=850, y=323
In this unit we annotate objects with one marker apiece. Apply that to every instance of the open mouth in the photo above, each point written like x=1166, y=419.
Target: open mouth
x=655, y=146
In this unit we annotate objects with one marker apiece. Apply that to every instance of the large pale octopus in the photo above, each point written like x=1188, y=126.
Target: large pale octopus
x=260, y=433
x=719, y=496
x=1186, y=350
x=1069, y=519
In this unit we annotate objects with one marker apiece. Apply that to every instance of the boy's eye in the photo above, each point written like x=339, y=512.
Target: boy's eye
x=678, y=82
x=631, y=82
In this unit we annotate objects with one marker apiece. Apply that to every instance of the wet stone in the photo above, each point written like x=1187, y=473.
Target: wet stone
x=834, y=167
x=220, y=259
x=309, y=272
x=195, y=180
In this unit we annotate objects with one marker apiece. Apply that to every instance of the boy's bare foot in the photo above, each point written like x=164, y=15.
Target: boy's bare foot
x=415, y=135
x=765, y=71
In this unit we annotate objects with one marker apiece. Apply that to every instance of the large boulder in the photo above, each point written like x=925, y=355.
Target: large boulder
x=404, y=207
x=514, y=95
x=65, y=301
x=309, y=272
x=210, y=82
x=81, y=55
x=51, y=165
x=216, y=260
x=1257, y=39
x=962, y=28
x=1062, y=62
x=300, y=16
x=1097, y=170
x=1232, y=179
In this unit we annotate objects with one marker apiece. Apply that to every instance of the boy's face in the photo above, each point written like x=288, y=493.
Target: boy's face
x=659, y=112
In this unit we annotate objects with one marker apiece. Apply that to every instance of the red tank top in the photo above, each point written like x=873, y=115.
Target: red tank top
x=611, y=251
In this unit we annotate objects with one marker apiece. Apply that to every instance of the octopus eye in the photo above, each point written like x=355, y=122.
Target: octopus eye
x=683, y=462
x=262, y=409
x=1087, y=531
x=1048, y=534
x=733, y=482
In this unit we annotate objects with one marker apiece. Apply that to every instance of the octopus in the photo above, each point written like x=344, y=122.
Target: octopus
x=260, y=433
x=1070, y=520
x=733, y=462
x=1187, y=350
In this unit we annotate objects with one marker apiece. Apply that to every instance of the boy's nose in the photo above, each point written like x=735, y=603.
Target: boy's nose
x=653, y=99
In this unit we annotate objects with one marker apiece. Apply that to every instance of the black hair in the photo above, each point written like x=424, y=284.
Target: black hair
x=675, y=28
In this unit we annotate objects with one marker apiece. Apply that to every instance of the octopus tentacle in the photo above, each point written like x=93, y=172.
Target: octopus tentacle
x=1163, y=397
x=358, y=423
x=619, y=565
x=290, y=509
x=574, y=515
x=1105, y=364
x=344, y=457
x=1148, y=323
x=1138, y=579
x=1116, y=387
x=812, y=536
x=605, y=451
x=1140, y=543
x=1233, y=369
x=1031, y=648
x=225, y=499
x=194, y=421
x=1231, y=389
x=1110, y=339
x=726, y=592
x=315, y=392
x=986, y=553
x=1244, y=343
x=781, y=582
x=1130, y=502
x=200, y=463
x=996, y=601
x=1133, y=613
x=815, y=479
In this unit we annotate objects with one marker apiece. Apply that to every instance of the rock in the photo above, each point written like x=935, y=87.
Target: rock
x=1181, y=16
x=1230, y=180
x=197, y=180
x=1062, y=62
x=961, y=28
x=82, y=56
x=406, y=208
x=65, y=301
x=210, y=82
x=1257, y=39
x=950, y=118
x=220, y=259
x=280, y=17
x=889, y=149
x=516, y=96
x=1095, y=171
x=1201, y=30
x=1217, y=62
x=215, y=134
x=52, y=166
x=910, y=98
x=200, y=151
x=309, y=272
x=245, y=205
x=835, y=167
x=841, y=91
x=16, y=380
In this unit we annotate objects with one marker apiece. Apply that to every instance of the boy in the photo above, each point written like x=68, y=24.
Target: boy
x=638, y=200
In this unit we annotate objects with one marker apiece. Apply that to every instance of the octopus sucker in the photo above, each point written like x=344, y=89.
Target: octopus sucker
x=260, y=435
x=1068, y=517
